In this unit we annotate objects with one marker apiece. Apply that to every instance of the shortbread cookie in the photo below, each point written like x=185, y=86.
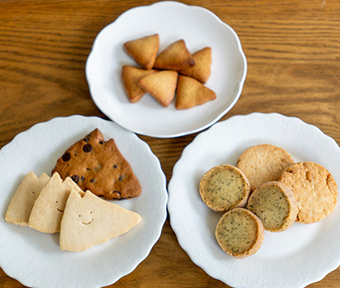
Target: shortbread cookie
x=98, y=166
x=143, y=50
x=191, y=92
x=130, y=77
x=161, y=86
x=21, y=204
x=263, y=163
x=239, y=233
x=202, y=69
x=49, y=206
x=314, y=188
x=274, y=203
x=89, y=221
x=224, y=187
x=175, y=57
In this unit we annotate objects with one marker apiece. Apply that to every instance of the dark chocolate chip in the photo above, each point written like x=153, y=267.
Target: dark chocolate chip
x=121, y=177
x=116, y=195
x=115, y=166
x=87, y=148
x=66, y=157
x=86, y=139
x=82, y=178
x=88, y=169
x=75, y=178
x=101, y=142
x=92, y=180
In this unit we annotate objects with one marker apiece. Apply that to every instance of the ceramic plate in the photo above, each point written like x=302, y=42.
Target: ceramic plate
x=172, y=21
x=35, y=259
x=294, y=258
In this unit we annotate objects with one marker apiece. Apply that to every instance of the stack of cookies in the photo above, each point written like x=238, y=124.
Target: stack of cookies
x=173, y=72
x=266, y=190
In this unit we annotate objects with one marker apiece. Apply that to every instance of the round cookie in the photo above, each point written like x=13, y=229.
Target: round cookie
x=239, y=233
x=263, y=163
x=274, y=203
x=315, y=189
x=224, y=187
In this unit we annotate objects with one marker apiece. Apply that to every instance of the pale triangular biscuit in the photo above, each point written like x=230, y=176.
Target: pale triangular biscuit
x=21, y=204
x=48, y=208
x=130, y=77
x=161, y=86
x=202, y=69
x=175, y=57
x=90, y=221
x=143, y=50
x=191, y=92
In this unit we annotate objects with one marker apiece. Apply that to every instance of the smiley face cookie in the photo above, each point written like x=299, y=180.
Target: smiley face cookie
x=90, y=221
x=97, y=165
x=48, y=208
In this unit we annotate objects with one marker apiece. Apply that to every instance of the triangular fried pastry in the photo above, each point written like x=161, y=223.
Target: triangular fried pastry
x=191, y=92
x=22, y=202
x=143, y=50
x=48, y=208
x=130, y=77
x=175, y=57
x=97, y=165
x=89, y=221
x=202, y=69
x=161, y=86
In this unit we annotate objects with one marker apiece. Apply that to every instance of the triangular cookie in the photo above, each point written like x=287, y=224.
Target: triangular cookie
x=48, y=208
x=97, y=165
x=143, y=50
x=201, y=70
x=191, y=92
x=161, y=86
x=90, y=221
x=21, y=204
x=130, y=77
x=175, y=57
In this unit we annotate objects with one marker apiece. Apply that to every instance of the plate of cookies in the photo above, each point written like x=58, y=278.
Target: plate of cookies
x=166, y=70
x=253, y=201
x=79, y=208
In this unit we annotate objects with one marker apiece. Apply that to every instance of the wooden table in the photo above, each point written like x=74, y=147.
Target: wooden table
x=293, y=53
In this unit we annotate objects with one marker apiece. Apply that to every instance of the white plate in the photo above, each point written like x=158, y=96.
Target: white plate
x=172, y=21
x=35, y=259
x=296, y=257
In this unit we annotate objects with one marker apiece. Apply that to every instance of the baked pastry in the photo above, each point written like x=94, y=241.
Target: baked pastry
x=130, y=77
x=202, y=69
x=274, y=203
x=143, y=50
x=97, y=165
x=22, y=202
x=191, y=92
x=263, y=163
x=224, y=187
x=49, y=207
x=89, y=221
x=239, y=233
x=161, y=86
x=314, y=188
x=175, y=57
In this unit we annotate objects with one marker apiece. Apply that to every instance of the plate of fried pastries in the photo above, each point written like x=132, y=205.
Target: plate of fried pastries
x=166, y=70
x=79, y=208
x=292, y=253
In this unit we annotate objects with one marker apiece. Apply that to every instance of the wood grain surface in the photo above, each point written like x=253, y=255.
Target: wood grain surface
x=293, y=53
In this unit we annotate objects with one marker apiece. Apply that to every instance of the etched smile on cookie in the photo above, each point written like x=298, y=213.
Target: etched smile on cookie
x=60, y=210
x=86, y=223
